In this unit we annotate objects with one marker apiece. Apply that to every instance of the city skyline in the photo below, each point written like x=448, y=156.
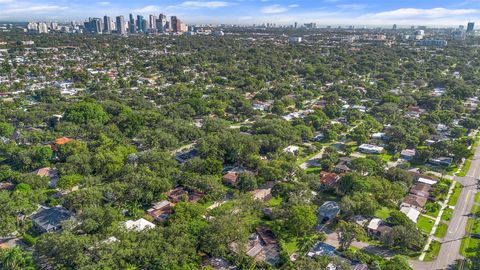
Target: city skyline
x=336, y=12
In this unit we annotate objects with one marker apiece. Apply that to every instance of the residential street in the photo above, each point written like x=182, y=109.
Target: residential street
x=449, y=251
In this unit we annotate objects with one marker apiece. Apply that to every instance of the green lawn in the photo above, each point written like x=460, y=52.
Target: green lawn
x=477, y=197
x=433, y=209
x=273, y=202
x=386, y=157
x=465, y=168
x=433, y=251
x=469, y=246
x=425, y=224
x=383, y=213
x=313, y=170
x=455, y=194
x=447, y=214
x=441, y=230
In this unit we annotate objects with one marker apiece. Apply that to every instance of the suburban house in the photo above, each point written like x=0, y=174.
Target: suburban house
x=138, y=225
x=230, y=178
x=51, y=173
x=370, y=149
x=185, y=156
x=328, y=211
x=342, y=165
x=421, y=189
x=161, y=210
x=414, y=201
x=378, y=228
x=262, y=245
x=422, y=178
x=407, y=154
x=263, y=193
x=411, y=213
x=50, y=219
x=441, y=161
x=179, y=194
x=292, y=149
x=328, y=179
x=360, y=220
x=58, y=142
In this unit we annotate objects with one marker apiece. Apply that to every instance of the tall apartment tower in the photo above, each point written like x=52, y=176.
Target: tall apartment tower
x=120, y=22
x=131, y=24
x=139, y=23
x=107, y=26
x=470, y=26
x=175, y=24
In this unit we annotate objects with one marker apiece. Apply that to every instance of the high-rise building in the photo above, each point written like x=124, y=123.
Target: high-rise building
x=131, y=24
x=120, y=22
x=152, y=22
x=42, y=28
x=175, y=24
x=139, y=23
x=94, y=25
x=107, y=27
x=161, y=23
x=470, y=26
x=394, y=27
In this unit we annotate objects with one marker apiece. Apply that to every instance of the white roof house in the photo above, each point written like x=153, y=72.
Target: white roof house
x=370, y=149
x=374, y=223
x=292, y=149
x=411, y=213
x=427, y=181
x=139, y=224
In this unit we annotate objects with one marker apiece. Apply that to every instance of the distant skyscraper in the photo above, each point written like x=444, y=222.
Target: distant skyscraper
x=152, y=22
x=160, y=23
x=470, y=26
x=131, y=24
x=394, y=27
x=120, y=22
x=94, y=25
x=42, y=28
x=107, y=27
x=139, y=23
x=296, y=25
x=175, y=24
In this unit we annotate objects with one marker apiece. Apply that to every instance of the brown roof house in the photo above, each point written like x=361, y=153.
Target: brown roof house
x=161, y=210
x=59, y=141
x=414, y=201
x=179, y=194
x=328, y=179
x=421, y=189
x=51, y=173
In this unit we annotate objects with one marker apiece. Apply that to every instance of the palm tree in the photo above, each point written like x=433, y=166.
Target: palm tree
x=12, y=259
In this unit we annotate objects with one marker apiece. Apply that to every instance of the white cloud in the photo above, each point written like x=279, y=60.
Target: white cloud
x=104, y=3
x=414, y=13
x=293, y=6
x=147, y=9
x=31, y=8
x=274, y=9
x=210, y=4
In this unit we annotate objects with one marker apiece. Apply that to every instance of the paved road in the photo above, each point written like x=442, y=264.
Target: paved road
x=449, y=251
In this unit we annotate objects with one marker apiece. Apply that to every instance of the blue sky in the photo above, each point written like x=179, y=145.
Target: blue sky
x=324, y=12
